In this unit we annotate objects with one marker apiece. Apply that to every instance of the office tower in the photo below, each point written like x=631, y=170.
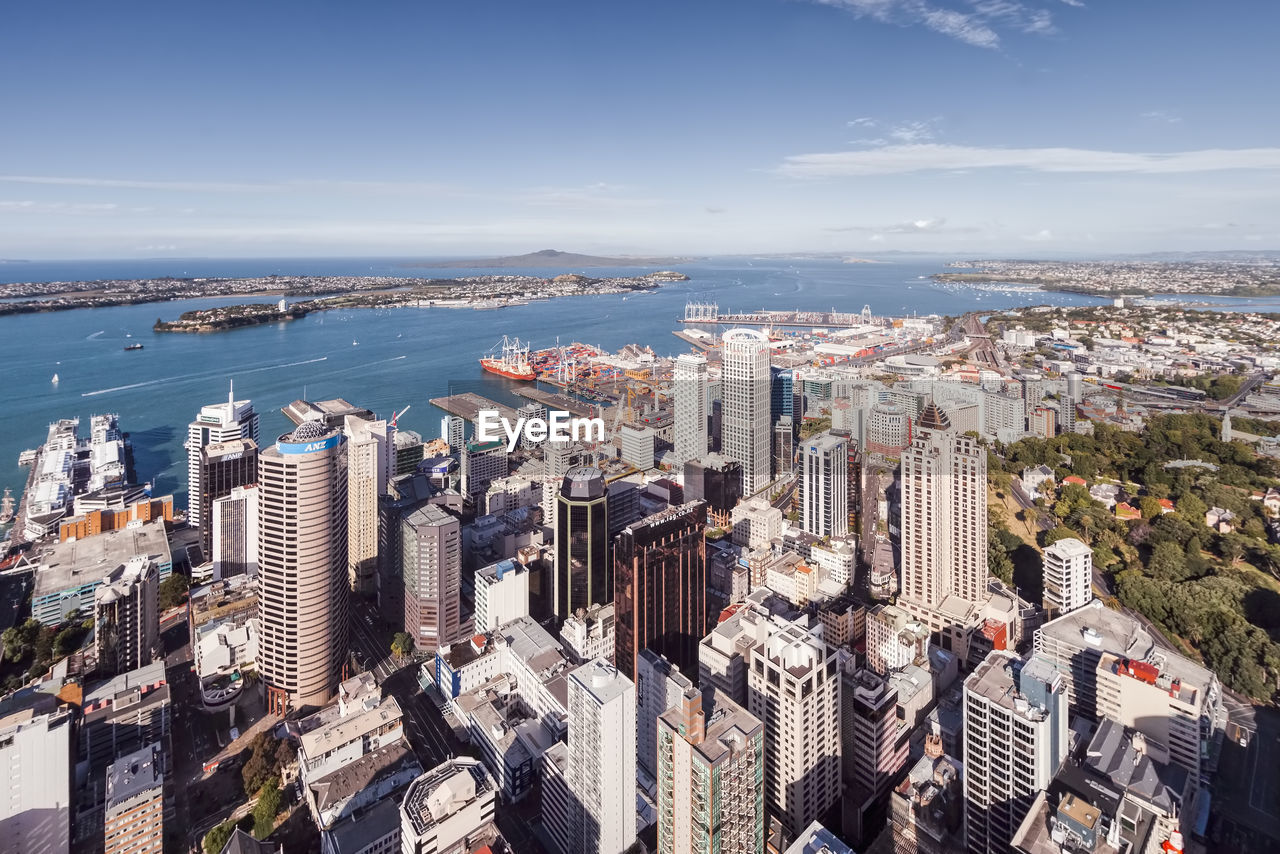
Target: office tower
x=888, y=430
x=715, y=480
x=927, y=807
x=1068, y=575
x=824, y=486
x=660, y=582
x=431, y=561
x=895, y=639
x=235, y=533
x=528, y=412
x=302, y=566
x=1043, y=422
x=659, y=686
x=407, y=451
x=224, y=466
x=944, y=514
x=1032, y=387
x=35, y=753
x=793, y=687
x=1015, y=737
x=1067, y=405
x=502, y=594
x=638, y=446
x=482, y=463
x=784, y=446
x=453, y=430
x=710, y=785
x=689, y=381
x=853, y=482
x=135, y=803
x=874, y=743
x=218, y=422
x=371, y=455
x=745, y=427
x=126, y=620
x=583, y=575
x=601, y=772
x=450, y=808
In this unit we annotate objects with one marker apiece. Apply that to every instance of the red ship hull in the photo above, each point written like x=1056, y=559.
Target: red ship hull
x=495, y=366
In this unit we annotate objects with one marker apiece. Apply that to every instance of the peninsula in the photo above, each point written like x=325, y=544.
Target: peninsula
x=552, y=258
x=1206, y=277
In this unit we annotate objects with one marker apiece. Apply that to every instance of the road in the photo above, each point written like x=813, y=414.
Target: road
x=1251, y=382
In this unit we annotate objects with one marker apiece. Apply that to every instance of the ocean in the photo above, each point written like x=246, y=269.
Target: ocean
x=382, y=359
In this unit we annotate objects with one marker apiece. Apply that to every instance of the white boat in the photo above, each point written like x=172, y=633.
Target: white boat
x=55, y=379
x=354, y=343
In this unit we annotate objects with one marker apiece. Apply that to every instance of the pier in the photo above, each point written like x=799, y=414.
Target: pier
x=551, y=400
x=468, y=405
x=696, y=312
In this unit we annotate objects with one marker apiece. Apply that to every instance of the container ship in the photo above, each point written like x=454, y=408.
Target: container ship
x=513, y=363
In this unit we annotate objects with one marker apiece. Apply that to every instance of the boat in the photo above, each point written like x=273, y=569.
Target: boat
x=6, y=506
x=133, y=346
x=55, y=379
x=354, y=343
x=513, y=363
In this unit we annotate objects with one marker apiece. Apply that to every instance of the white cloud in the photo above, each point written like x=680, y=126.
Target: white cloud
x=912, y=132
x=901, y=159
x=1161, y=116
x=27, y=206
x=978, y=26
x=1040, y=236
x=931, y=225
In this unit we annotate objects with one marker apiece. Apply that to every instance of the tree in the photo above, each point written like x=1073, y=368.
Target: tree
x=1232, y=548
x=173, y=590
x=215, y=840
x=1168, y=562
x=266, y=809
x=402, y=645
x=262, y=763
x=1192, y=507
x=1150, y=507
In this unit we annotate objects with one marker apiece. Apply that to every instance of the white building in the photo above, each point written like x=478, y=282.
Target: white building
x=37, y=752
x=745, y=429
x=1015, y=738
x=638, y=446
x=659, y=686
x=1068, y=575
x=793, y=687
x=502, y=594
x=690, y=383
x=448, y=809
x=824, y=485
x=756, y=523
x=589, y=633
x=371, y=460
x=235, y=533
x=601, y=771
x=217, y=422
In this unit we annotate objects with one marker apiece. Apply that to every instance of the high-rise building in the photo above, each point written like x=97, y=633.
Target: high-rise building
x=482, y=464
x=784, y=446
x=689, y=380
x=431, y=561
x=824, y=485
x=659, y=687
x=710, y=780
x=874, y=743
x=660, y=588
x=583, y=574
x=1015, y=737
x=224, y=466
x=218, y=422
x=302, y=564
x=135, y=803
x=1068, y=575
x=639, y=445
x=371, y=459
x=888, y=430
x=502, y=594
x=453, y=430
x=36, y=755
x=126, y=620
x=235, y=533
x=793, y=687
x=450, y=808
x=944, y=514
x=1067, y=404
x=601, y=773
x=715, y=480
x=745, y=427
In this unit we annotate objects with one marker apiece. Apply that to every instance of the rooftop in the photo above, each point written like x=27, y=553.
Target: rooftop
x=602, y=680
x=73, y=563
x=135, y=774
x=443, y=791
x=816, y=839
x=357, y=832
x=332, y=734
x=341, y=784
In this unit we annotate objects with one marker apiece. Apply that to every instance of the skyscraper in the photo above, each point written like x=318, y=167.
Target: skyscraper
x=793, y=687
x=601, y=772
x=583, y=574
x=824, y=485
x=223, y=467
x=218, y=422
x=944, y=514
x=745, y=427
x=235, y=533
x=38, y=755
x=135, y=803
x=453, y=430
x=1068, y=575
x=431, y=561
x=126, y=619
x=690, y=383
x=371, y=453
x=660, y=588
x=302, y=561
x=659, y=686
x=1015, y=737
x=710, y=785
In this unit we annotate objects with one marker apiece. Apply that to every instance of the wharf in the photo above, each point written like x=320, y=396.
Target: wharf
x=468, y=405
x=707, y=345
x=572, y=405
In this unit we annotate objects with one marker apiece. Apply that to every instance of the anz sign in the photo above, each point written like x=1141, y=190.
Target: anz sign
x=309, y=447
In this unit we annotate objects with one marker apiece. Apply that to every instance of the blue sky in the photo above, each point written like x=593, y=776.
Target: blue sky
x=1006, y=127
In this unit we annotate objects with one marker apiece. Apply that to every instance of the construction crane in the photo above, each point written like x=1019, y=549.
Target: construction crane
x=396, y=417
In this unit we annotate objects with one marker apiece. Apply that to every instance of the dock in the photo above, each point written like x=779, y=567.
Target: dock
x=551, y=400
x=468, y=405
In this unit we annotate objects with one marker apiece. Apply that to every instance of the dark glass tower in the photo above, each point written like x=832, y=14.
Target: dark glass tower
x=583, y=574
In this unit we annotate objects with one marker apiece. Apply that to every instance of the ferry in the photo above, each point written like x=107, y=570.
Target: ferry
x=513, y=363
x=6, y=506
x=133, y=346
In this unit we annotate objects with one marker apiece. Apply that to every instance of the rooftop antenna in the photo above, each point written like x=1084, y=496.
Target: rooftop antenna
x=231, y=393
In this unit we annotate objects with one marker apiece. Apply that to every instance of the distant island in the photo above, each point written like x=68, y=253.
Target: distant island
x=551, y=258
x=1255, y=278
